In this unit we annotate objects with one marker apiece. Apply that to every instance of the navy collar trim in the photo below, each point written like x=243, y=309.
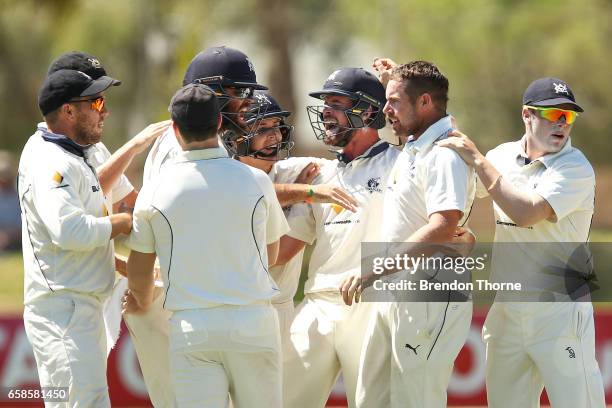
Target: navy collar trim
x=378, y=148
x=64, y=142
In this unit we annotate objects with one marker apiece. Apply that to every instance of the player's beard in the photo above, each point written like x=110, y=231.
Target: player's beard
x=338, y=136
x=87, y=131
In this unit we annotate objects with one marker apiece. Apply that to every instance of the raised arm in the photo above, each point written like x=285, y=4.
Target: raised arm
x=115, y=166
x=525, y=208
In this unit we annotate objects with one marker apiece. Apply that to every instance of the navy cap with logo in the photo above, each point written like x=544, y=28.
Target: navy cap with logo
x=550, y=92
x=353, y=82
x=66, y=84
x=79, y=61
x=224, y=65
x=195, y=107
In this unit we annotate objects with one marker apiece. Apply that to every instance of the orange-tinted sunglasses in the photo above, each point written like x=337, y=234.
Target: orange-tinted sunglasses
x=554, y=114
x=97, y=104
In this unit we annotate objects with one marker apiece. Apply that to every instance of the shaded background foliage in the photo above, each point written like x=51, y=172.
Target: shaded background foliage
x=490, y=50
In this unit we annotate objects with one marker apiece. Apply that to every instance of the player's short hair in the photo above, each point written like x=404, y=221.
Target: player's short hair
x=195, y=111
x=419, y=77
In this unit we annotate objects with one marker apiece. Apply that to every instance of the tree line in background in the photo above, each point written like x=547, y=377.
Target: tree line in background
x=490, y=50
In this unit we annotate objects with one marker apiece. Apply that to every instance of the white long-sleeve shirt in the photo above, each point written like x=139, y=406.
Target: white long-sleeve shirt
x=65, y=223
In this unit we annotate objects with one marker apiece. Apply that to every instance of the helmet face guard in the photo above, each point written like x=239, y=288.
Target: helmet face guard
x=264, y=107
x=354, y=114
x=241, y=145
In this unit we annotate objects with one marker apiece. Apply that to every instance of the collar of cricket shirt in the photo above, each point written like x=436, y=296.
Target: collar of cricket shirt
x=435, y=132
x=201, y=154
x=63, y=141
x=372, y=151
x=546, y=160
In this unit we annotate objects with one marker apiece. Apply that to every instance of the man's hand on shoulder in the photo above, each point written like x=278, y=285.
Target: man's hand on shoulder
x=142, y=140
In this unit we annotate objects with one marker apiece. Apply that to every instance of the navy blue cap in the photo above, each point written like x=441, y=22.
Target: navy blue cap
x=353, y=83
x=79, y=61
x=66, y=84
x=195, y=107
x=549, y=92
x=224, y=65
x=265, y=106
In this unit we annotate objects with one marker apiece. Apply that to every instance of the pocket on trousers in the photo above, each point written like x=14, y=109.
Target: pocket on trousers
x=582, y=317
x=184, y=336
x=259, y=330
x=61, y=312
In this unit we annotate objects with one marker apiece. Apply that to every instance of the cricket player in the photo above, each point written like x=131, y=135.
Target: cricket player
x=120, y=196
x=326, y=334
x=410, y=347
x=67, y=247
x=543, y=191
x=223, y=329
x=230, y=73
x=268, y=149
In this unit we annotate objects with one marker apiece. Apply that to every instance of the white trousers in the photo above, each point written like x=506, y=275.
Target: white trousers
x=286, y=312
x=326, y=337
x=222, y=352
x=150, y=336
x=409, y=353
x=535, y=345
x=68, y=337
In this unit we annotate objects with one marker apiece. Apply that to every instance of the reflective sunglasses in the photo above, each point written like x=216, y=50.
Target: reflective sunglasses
x=242, y=92
x=97, y=104
x=554, y=114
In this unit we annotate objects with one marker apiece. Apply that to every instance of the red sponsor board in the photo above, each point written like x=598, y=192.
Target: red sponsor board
x=127, y=389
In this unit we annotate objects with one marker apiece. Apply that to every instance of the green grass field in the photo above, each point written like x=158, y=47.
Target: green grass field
x=11, y=275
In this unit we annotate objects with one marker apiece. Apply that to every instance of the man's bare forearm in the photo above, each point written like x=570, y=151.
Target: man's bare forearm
x=289, y=194
x=141, y=277
x=523, y=207
x=111, y=170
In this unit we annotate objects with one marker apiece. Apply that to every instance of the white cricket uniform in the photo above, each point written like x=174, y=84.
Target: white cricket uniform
x=326, y=335
x=535, y=345
x=209, y=218
x=287, y=276
x=68, y=264
x=410, y=347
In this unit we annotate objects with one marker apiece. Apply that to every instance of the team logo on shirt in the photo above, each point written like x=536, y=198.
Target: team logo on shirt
x=58, y=180
x=57, y=177
x=374, y=185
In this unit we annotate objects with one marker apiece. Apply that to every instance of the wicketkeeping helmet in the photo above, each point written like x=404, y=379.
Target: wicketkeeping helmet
x=263, y=107
x=363, y=88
